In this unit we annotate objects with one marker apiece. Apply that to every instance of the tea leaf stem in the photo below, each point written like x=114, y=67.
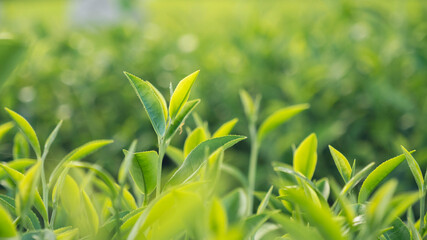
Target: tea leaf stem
x=252, y=165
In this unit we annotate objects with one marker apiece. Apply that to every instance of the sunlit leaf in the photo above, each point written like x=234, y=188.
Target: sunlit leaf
x=27, y=130
x=305, y=157
x=378, y=204
x=415, y=169
x=154, y=106
x=7, y=228
x=51, y=138
x=376, y=176
x=127, y=162
x=399, y=204
x=342, y=163
x=265, y=201
x=196, y=158
x=179, y=121
x=181, y=94
x=248, y=103
x=217, y=218
x=90, y=213
x=143, y=170
x=20, y=147
x=18, y=165
x=27, y=188
x=4, y=128
x=279, y=117
x=195, y=138
x=225, y=129
x=296, y=229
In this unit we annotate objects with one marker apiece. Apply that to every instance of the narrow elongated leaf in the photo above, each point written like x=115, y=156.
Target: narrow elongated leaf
x=196, y=158
x=376, y=176
x=179, y=120
x=217, y=218
x=305, y=157
x=7, y=228
x=264, y=201
x=399, y=231
x=181, y=94
x=90, y=212
x=254, y=222
x=153, y=104
x=399, y=204
x=27, y=130
x=356, y=179
x=144, y=170
x=225, y=129
x=4, y=128
x=378, y=204
x=27, y=188
x=248, y=103
x=77, y=154
x=51, y=138
x=18, y=164
x=70, y=196
x=175, y=154
x=127, y=162
x=279, y=117
x=195, y=138
x=342, y=164
x=415, y=169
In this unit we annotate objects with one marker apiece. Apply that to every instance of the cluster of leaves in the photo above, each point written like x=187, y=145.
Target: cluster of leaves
x=80, y=200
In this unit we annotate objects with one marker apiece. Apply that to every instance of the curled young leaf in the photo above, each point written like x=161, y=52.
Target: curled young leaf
x=305, y=157
x=181, y=94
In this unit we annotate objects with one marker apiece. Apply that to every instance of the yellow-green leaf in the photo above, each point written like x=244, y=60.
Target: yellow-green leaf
x=217, y=218
x=4, y=128
x=7, y=228
x=342, y=163
x=20, y=147
x=27, y=130
x=179, y=121
x=225, y=129
x=305, y=158
x=144, y=170
x=27, y=188
x=181, y=94
x=376, y=176
x=196, y=158
x=415, y=169
x=248, y=103
x=197, y=136
x=175, y=154
x=90, y=213
x=152, y=101
x=127, y=162
x=279, y=117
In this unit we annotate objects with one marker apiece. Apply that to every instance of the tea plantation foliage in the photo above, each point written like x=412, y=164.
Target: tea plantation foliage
x=247, y=154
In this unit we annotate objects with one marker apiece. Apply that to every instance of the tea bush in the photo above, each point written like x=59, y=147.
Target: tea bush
x=81, y=200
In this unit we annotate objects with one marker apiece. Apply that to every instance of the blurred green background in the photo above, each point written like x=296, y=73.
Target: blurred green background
x=362, y=65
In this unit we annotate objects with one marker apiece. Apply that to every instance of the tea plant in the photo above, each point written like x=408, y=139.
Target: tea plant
x=80, y=200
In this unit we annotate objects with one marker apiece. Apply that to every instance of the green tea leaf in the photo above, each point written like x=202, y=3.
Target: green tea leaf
x=153, y=104
x=254, y=222
x=77, y=154
x=225, y=129
x=279, y=117
x=376, y=176
x=323, y=186
x=399, y=204
x=175, y=154
x=7, y=228
x=70, y=196
x=196, y=158
x=342, y=163
x=378, y=204
x=20, y=147
x=127, y=162
x=51, y=138
x=90, y=213
x=18, y=165
x=415, y=169
x=69, y=234
x=248, y=103
x=319, y=217
x=144, y=170
x=179, y=120
x=195, y=138
x=264, y=201
x=44, y=234
x=27, y=130
x=4, y=128
x=305, y=157
x=27, y=188
x=181, y=94
x=217, y=218
x=399, y=231
x=297, y=230
x=235, y=204
x=356, y=179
